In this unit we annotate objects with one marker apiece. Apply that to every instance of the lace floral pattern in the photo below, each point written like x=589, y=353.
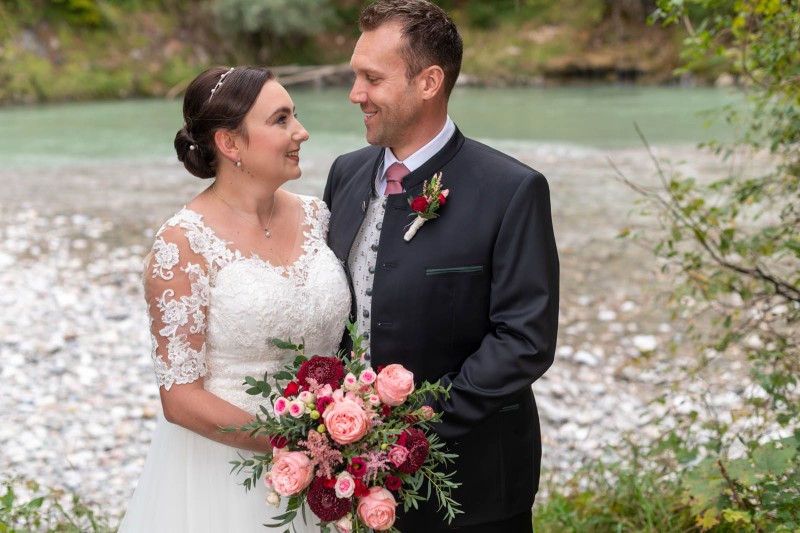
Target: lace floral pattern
x=214, y=311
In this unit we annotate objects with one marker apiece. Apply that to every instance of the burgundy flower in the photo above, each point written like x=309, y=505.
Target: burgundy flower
x=324, y=370
x=323, y=502
x=386, y=410
x=278, y=441
x=418, y=447
x=291, y=389
x=442, y=199
x=419, y=204
x=393, y=482
x=361, y=489
x=357, y=467
x=323, y=402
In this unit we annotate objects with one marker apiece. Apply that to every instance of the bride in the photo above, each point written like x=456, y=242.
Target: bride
x=243, y=262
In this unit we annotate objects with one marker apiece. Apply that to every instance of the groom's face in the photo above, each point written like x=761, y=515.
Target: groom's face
x=391, y=103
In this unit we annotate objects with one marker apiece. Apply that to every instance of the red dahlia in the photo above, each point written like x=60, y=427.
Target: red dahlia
x=417, y=444
x=324, y=370
x=324, y=503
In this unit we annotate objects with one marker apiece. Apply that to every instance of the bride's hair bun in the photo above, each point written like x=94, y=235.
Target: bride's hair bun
x=234, y=93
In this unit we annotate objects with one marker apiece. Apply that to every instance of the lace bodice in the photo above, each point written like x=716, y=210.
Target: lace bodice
x=214, y=311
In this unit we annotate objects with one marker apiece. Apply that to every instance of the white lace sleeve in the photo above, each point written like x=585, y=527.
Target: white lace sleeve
x=176, y=287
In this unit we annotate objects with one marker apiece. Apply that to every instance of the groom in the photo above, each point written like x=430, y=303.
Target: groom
x=472, y=298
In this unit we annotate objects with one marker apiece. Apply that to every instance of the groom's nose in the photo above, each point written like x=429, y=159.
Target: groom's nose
x=357, y=94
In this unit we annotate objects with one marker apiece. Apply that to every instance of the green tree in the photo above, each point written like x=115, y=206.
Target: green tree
x=734, y=246
x=272, y=26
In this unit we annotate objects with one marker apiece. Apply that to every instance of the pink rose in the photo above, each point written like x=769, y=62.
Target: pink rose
x=297, y=408
x=345, y=524
x=346, y=421
x=345, y=485
x=376, y=509
x=350, y=382
x=281, y=406
x=291, y=473
x=398, y=455
x=367, y=377
x=394, y=384
x=426, y=412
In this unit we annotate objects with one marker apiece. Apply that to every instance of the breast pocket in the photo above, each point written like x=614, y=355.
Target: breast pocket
x=445, y=271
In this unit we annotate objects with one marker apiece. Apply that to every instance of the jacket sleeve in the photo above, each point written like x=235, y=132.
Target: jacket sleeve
x=327, y=195
x=523, y=314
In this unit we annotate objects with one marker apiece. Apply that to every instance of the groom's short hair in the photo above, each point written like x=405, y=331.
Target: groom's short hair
x=431, y=36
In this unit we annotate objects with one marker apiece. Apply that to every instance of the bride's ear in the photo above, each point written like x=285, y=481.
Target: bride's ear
x=226, y=144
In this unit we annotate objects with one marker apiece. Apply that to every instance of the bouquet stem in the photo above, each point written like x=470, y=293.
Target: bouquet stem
x=418, y=222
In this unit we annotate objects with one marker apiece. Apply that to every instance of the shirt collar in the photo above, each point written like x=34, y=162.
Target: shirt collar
x=418, y=158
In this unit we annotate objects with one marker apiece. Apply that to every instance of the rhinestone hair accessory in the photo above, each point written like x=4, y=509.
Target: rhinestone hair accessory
x=221, y=79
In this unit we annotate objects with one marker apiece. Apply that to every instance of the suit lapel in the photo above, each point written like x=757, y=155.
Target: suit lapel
x=413, y=182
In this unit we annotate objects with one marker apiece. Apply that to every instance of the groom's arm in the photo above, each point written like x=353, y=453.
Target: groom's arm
x=523, y=314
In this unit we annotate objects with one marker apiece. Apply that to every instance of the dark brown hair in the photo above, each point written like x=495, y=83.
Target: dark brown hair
x=431, y=36
x=203, y=115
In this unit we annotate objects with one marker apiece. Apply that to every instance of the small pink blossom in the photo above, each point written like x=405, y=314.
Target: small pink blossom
x=345, y=524
x=367, y=377
x=374, y=400
x=345, y=485
x=281, y=406
x=307, y=397
x=350, y=382
x=297, y=408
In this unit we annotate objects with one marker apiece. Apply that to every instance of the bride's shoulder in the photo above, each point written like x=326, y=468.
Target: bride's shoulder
x=313, y=205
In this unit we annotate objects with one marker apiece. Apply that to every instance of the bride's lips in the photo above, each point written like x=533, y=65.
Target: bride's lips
x=294, y=155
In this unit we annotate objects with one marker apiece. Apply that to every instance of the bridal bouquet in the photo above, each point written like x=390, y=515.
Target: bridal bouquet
x=348, y=441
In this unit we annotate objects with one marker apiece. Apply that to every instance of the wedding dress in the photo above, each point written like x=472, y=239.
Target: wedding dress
x=237, y=304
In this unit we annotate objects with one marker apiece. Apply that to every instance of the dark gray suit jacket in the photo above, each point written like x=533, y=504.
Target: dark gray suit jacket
x=472, y=300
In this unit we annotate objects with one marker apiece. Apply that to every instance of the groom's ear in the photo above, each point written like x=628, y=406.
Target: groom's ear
x=226, y=144
x=431, y=82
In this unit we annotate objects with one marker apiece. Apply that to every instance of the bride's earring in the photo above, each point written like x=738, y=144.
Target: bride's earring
x=239, y=163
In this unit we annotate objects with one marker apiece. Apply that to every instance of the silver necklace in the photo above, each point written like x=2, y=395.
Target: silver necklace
x=267, y=233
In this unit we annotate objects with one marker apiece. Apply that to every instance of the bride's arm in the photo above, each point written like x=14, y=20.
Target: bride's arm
x=176, y=287
x=200, y=411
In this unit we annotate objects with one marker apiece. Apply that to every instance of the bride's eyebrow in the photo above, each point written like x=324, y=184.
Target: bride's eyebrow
x=284, y=109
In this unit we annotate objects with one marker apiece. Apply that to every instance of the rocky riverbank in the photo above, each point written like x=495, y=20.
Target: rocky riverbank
x=80, y=399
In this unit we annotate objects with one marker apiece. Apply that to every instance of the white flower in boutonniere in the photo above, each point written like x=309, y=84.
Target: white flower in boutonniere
x=427, y=204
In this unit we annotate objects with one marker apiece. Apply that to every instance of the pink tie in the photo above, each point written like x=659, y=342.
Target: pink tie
x=394, y=178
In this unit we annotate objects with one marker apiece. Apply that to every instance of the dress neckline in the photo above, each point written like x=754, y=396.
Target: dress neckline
x=286, y=271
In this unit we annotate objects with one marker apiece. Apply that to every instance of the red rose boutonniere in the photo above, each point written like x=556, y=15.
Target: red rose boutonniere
x=427, y=204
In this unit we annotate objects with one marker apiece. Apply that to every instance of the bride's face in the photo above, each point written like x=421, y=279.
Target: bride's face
x=274, y=136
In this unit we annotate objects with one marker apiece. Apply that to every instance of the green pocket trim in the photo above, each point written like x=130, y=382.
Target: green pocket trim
x=507, y=408
x=453, y=270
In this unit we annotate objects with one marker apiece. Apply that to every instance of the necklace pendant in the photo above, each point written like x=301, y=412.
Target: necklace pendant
x=267, y=233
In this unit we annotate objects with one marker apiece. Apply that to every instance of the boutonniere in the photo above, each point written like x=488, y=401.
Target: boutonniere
x=426, y=205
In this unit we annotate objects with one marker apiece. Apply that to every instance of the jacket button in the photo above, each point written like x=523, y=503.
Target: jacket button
x=374, y=247
x=366, y=313
x=379, y=226
x=368, y=292
x=371, y=270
